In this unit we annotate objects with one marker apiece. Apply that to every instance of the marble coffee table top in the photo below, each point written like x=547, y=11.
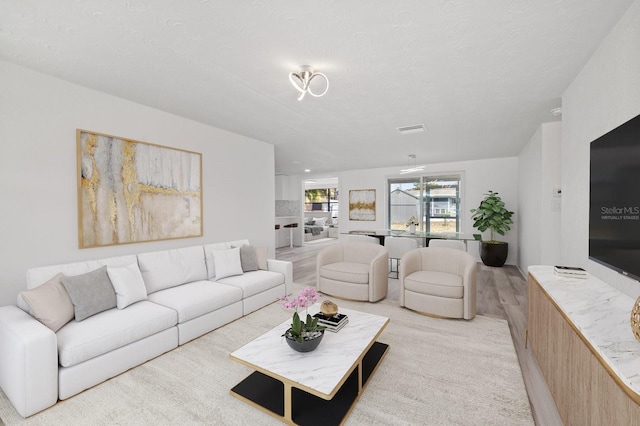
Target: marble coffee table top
x=322, y=371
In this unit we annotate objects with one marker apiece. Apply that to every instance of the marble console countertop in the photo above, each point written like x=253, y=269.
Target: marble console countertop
x=602, y=314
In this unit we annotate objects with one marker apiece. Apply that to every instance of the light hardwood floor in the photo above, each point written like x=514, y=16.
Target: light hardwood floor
x=502, y=293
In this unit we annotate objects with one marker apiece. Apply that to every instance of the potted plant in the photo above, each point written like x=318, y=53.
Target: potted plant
x=493, y=215
x=303, y=336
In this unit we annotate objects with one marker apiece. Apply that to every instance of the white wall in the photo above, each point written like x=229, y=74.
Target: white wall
x=499, y=174
x=539, y=173
x=38, y=215
x=605, y=94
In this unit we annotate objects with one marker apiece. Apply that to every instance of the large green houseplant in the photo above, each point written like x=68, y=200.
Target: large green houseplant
x=493, y=215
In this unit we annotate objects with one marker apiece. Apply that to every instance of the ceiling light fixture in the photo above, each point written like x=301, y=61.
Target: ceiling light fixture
x=302, y=79
x=411, y=169
x=415, y=128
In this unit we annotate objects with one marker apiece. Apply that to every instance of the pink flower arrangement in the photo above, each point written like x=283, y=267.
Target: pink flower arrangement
x=302, y=330
x=307, y=297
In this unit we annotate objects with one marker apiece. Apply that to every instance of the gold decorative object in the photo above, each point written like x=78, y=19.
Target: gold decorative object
x=635, y=320
x=329, y=309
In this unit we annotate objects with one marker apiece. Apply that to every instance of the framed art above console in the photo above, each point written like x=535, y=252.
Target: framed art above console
x=131, y=191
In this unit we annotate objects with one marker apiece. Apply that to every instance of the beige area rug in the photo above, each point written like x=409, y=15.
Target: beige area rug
x=436, y=372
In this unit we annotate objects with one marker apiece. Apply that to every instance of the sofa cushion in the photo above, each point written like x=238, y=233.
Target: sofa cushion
x=227, y=262
x=346, y=271
x=197, y=298
x=50, y=304
x=39, y=275
x=208, y=255
x=91, y=293
x=169, y=268
x=128, y=284
x=254, y=282
x=435, y=283
x=109, y=330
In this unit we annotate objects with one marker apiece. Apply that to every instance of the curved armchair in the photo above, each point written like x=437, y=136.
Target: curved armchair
x=439, y=281
x=353, y=270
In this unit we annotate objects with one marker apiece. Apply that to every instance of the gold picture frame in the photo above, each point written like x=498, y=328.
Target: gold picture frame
x=131, y=191
x=362, y=204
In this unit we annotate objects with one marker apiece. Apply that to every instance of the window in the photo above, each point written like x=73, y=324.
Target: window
x=321, y=200
x=434, y=200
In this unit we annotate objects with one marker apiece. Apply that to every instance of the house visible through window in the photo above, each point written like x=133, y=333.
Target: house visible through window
x=433, y=200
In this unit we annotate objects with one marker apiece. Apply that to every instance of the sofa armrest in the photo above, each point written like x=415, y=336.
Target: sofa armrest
x=284, y=267
x=28, y=361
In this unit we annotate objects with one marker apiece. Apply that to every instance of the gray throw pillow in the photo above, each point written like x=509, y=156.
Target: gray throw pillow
x=91, y=293
x=248, y=258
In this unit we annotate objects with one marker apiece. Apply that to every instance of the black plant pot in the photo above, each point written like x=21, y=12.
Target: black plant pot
x=494, y=254
x=307, y=345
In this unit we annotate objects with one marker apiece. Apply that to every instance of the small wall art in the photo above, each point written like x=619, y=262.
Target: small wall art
x=362, y=204
x=131, y=191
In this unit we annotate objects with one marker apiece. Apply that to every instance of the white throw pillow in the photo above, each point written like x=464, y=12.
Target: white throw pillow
x=129, y=285
x=227, y=263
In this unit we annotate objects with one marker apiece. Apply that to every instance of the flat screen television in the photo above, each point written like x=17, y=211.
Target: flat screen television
x=614, y=199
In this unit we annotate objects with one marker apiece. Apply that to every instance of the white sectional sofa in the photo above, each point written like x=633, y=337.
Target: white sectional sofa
x=180, y=299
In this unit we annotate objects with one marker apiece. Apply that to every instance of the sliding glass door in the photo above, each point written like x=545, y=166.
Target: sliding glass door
x=433, y=200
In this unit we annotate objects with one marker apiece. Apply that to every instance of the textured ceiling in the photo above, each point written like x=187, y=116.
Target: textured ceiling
x=480, y=74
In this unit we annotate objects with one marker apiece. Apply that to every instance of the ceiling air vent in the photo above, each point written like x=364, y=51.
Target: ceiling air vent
x=407, y=130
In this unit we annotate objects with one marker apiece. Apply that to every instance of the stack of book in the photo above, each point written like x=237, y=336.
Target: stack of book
x=570, y=271
x=334, y=323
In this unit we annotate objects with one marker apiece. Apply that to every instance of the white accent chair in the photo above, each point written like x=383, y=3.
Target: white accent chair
x=439, y=282
x=397, y=247
x=354, y=271
x=454, y=244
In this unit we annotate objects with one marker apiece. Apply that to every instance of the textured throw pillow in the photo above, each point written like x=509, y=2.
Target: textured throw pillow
x=91, y=293
x=50, y=303
x=128, y=284
x=248, y=258
x=261, y=255
x=227, y=262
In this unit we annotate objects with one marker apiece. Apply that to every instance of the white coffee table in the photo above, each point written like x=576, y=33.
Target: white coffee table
x=318, y=387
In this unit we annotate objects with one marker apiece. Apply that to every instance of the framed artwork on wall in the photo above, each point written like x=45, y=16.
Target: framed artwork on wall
x=362, y=204
x=131, y=191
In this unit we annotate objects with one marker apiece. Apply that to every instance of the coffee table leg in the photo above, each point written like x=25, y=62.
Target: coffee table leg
x=287, y=403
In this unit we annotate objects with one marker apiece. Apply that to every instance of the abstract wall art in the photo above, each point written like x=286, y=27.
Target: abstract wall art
x=362, y=204
x=131, y=191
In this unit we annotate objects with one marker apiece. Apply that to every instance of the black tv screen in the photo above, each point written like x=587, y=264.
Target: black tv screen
x=614, y=200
